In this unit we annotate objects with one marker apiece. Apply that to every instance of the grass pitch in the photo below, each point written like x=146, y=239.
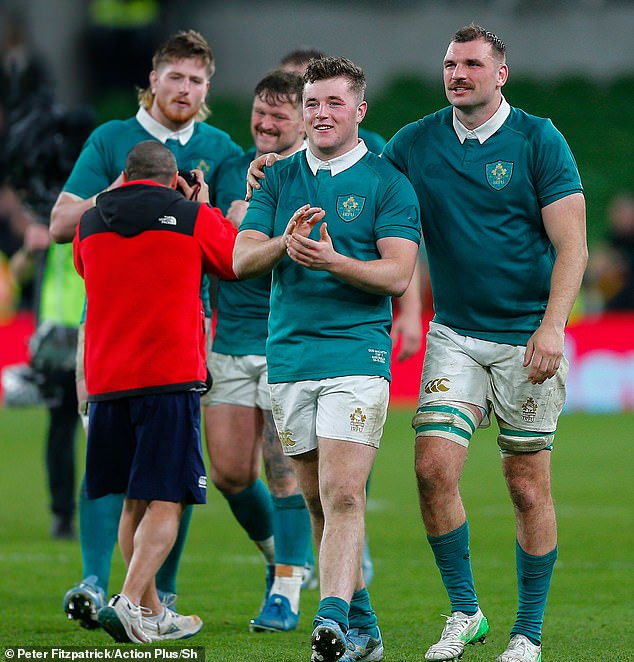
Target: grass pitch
x=590, y=611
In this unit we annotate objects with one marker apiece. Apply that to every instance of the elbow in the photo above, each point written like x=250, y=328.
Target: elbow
x=399, y=287
x=58, y=234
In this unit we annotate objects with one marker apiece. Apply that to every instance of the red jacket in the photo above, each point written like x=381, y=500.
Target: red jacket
x=142, y=251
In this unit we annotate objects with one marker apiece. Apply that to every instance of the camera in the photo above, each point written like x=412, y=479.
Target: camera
x=189, y=176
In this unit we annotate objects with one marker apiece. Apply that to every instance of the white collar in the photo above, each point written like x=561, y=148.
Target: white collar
x=339, y=163
x=162, y=133
x=486, y=130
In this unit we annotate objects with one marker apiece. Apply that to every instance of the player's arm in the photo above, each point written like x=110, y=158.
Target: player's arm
x=255, y=253
x=565, y=224
x=408, y=325
x=389, y=275
x=67, y=211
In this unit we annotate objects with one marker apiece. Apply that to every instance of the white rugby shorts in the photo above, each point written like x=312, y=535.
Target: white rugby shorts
x=352, y=408
x=490, y=375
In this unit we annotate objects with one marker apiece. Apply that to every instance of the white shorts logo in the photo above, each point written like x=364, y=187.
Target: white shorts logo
x=202, y=482
x=529, y=410
x=357, y=420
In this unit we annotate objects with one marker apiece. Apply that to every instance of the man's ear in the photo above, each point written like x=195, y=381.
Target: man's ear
x=174, y=182
x=125, y=177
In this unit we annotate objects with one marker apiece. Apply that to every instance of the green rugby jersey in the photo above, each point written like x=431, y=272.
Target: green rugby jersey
x=320, y=326
x=490, y=259
x=103, y=156
x=243, y=306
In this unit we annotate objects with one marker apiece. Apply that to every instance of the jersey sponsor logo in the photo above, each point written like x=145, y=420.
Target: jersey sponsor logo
x=499, y=174
x=529, y=410
x=350, y=206
x=357, y=420
x=437, y=385
x=167, y=220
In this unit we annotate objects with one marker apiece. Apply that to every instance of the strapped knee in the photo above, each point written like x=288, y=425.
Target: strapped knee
x=511, y=440
x=450, y=420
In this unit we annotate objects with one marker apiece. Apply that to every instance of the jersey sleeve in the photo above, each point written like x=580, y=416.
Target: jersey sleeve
x=260, y=215
x=93, y=171
x=399, y=211
x=555, y=169
x=230, y=183
x=216, y=237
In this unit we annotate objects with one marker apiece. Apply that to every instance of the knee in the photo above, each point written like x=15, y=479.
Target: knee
x=343, y=499
x=432, y=477
x=526, y=494
x=232, y=479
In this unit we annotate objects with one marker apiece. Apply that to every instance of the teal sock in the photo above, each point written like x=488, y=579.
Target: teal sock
x=253, y=509
x=166, y=576
x=98, y=530
x=292, y=531
x=361, y=614
x=451, y=551
x=533, y=580
x=336, y=609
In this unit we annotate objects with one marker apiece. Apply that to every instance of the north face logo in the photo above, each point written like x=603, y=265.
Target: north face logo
x=167, y=220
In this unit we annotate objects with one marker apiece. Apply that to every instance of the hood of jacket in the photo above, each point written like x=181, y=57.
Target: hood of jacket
x=135, y=206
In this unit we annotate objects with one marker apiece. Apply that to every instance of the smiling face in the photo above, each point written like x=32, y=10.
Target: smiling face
x=332, y=114
x=180, y=89
x=276, y=126
x=473, y=76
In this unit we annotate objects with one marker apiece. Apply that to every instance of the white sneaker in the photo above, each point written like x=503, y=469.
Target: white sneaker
x=520, y=649
x=172, y=626
x=122, y=620
x=459, y=631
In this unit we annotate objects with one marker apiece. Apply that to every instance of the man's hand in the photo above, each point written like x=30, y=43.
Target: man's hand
x=543, y=353
x=409, y=329
x=317, y=255
x=256, y=171
x=198, y=191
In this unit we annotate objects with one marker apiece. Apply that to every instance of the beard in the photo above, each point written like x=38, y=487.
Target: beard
x=176, y=114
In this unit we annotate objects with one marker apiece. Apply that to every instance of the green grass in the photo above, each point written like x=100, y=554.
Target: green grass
x=590, y=610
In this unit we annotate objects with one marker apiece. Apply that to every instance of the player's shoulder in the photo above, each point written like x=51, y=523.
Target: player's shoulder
x=530, y=125
x=420, y=128
x=388, y=176
x=236, y=162
x=213, y=133
x=116, y=127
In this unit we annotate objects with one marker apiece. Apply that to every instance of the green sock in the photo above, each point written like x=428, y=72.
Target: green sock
x=98, y=526
x=336, y=609
x=451, y=552
x=533, y=581
x=253, y=509
x=361, y=614
x=291, y=524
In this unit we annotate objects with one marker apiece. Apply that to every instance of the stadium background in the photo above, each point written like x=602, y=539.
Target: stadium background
x=570, y=60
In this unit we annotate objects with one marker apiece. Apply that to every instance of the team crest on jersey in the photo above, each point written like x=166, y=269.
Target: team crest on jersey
x=204, y=166
x=349, y=206
x=499, y=174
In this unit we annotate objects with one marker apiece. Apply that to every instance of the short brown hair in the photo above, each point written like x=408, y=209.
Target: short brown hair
x=337, y=67
x=280, y=87
x=473, y=32
x=184, y=45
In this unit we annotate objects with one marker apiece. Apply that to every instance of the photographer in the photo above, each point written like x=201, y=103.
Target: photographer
x=40, y=149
